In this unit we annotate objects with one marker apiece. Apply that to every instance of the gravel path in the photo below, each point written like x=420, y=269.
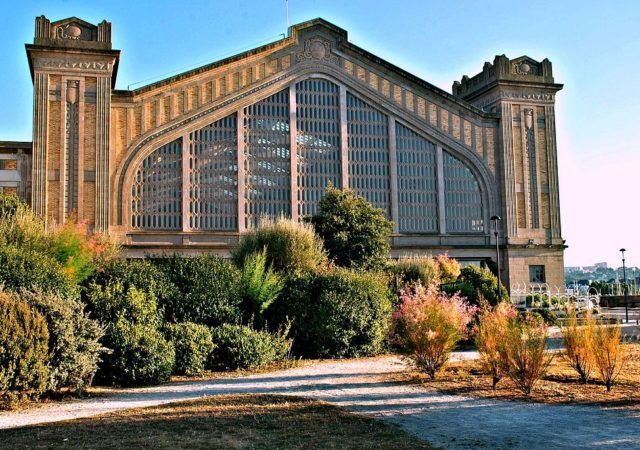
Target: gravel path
x=450, y=421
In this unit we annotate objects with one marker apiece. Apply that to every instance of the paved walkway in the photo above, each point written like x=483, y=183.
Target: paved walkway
x=450, y=421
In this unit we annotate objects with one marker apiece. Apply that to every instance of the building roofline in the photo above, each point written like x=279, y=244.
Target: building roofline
x=292, y=34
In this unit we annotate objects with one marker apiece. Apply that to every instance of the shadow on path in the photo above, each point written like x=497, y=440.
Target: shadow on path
x=450, y=421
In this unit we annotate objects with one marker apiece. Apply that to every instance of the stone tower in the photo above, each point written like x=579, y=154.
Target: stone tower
x=73, y=69
x=522, y=92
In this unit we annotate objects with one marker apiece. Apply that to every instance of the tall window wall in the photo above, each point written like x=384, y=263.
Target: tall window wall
x=432, y=192
x=267, y=152
x=213, y=176
x=318, y=141
x=417, y=183
x=368, y=146
x=156, y=194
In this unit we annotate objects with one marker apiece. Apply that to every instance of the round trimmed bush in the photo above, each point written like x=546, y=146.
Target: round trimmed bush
x=193, y=345
x=291, y=247
x=23, y=349
x=335, y=314
x=141, y=356
x=242, y=347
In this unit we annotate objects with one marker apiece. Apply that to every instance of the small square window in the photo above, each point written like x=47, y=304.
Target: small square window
x=536, y=274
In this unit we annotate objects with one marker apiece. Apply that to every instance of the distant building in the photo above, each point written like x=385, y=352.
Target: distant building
x=189, y=163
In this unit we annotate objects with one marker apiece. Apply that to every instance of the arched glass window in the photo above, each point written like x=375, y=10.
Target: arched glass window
x=463, y=200
x=156, y=194
x=368, y=150
x=417, y=183
x=267, y=155
x=213, y=176
x=318, y=141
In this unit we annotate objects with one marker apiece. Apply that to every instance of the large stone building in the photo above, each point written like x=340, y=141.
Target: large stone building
x=190, y=162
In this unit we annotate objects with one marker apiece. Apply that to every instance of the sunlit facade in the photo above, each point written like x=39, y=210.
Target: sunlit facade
x=189, y=163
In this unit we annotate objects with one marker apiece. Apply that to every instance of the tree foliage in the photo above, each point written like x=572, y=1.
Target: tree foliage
x=355, y=234
x=475, y=283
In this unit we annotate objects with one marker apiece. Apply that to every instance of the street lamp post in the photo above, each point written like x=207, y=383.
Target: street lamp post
x=626, y=295
x=495, y=220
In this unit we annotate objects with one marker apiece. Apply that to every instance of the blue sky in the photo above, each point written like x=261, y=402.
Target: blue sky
x=594, y=48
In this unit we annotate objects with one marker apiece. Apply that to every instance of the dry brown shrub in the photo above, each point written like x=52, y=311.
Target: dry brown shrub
x=522, y=351
x=608, y=352
x=578, y=343
x=488, y=335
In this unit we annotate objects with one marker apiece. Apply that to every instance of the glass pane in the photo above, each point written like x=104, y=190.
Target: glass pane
x=156, y=194
x=463, y=202
x=318, y=141
x=267, y=159
x=213, y=176
x=368, y=142
x=417, y=183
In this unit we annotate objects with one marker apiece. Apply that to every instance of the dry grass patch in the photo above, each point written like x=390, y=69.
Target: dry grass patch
x=561, y=384
x=229, y=422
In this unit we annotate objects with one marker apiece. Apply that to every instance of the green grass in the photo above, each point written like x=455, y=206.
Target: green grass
x=225, y=422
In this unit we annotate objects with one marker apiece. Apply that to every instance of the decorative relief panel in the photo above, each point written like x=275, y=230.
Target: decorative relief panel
x=54, y=63
x=317, y=49
x=74, y=32
x=71, y=149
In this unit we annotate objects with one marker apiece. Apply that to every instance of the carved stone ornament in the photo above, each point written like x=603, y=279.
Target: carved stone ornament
x=69, y=31
x=525, y=68
x=50, y=63
x=528, y=118
x=317, y=49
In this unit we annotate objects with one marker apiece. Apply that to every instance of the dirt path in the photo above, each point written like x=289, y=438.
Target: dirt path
x=450, y=421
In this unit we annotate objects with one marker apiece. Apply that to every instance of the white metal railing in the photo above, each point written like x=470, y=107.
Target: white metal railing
x=542, y=296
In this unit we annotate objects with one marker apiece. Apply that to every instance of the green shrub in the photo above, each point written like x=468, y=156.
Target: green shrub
x=475, y=283
x=260, y=286
x=242, y=347
x=21, y=268
x=113, y=303
x=21, y=228
x=291, y=247
x=74, y=348
x=82, y=252
x=548, y=317
x=340, y=313
x=141, y=273
x=9, y=204
x=140, y=356
x=23, y=349
x=409, y=270
x=355, y=233
x=193, y=345
x=207, y=290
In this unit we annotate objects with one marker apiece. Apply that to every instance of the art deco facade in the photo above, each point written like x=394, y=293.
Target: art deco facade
x=189, y=163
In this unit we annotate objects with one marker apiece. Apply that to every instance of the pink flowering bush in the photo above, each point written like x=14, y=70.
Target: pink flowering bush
x=428, y=324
